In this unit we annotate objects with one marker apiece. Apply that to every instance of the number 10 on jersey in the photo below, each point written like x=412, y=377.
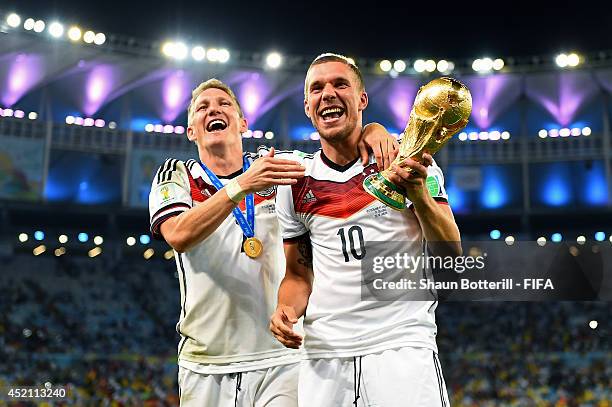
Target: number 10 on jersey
x=353, y=235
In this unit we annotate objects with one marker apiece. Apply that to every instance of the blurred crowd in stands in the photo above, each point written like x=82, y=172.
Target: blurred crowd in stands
x=105, y=330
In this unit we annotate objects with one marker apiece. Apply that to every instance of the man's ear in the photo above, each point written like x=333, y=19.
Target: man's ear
x=190, y=134
x=306, y=108
x=244, y=125
x=363, y=100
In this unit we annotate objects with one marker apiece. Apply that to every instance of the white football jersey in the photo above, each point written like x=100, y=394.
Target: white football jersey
x=227, y=298
x=331, y=205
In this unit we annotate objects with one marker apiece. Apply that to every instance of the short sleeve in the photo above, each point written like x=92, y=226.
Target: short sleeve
x=290, y=223
x=170, y=194
x=435, y=184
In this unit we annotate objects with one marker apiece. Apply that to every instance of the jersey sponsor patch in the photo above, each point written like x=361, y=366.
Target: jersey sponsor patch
x=433, y=185
x=166, y=193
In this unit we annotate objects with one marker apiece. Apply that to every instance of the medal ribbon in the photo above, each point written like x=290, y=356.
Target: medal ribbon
x=247, y=225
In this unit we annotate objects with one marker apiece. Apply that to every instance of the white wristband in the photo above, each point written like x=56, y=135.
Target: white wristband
x=234, y=191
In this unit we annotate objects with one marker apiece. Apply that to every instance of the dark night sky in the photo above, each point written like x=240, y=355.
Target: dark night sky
x=374, y=29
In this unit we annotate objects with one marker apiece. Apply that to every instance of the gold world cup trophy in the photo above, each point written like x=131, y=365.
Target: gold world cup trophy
x=441, y=109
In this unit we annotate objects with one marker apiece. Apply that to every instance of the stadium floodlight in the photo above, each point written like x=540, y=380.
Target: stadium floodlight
x=419, y=65
x=148, y=253
x=498, y=64
x=561, y=60
x=564, y=132
x=274, y=60
x=463, y=136
x=112, y=125
x=505, y=135
x=198, y=53
x=74, y=33
x=477, y=65
x=7, y=113
x=88, y=122
x=39, y=235
x=442, y=66
x=486, y=64
x=179, y=129
x=168, y=49
x=13, y=20
x=586, y=131
x=56, y=29
x=70, y=119
x=542, y=133
x=430, y=65
x=38, y=250
x=98, y=240
x=79, y=121
x=180, y=50
x=247, y=134
x=473, y=136
x=19, y=114
x=99, y=39
x=130, y=241
x=581, y=239
x=168, y=128
x=269, y=135
x=62, y=239
x=149, y=127
x=541, y=241
x=94, y=252
x=483, y=135
x=60, y=251
x=212, y=55
x=23, y=237
x=169, y=254
x=495, y=234
x=575, y=131
x=99, y=123
x=145, y=239
x=573, y=59
x=600, y=236
x=257, y=134
x=556, y=237
x=315, y=135
x=593, y=324
x=399, y=66
x=494, y=135
x=89, y=37
x=32, y=115
x=385, y=65
x=158, y=128
x=39, y=26
x=553, y=133
x=224, y=55
x=509, y=240
x=28, y=24
x=83, y=237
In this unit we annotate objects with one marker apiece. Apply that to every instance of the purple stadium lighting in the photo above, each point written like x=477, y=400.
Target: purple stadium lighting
x=24, y=72
x=252, y=92
x=176, y=90
x=562, y=94
x=491, y=96
x=399, y=101
x=99, y=85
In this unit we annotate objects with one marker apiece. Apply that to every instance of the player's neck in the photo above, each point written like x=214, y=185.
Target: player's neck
x=344, y=151
x=222, y=160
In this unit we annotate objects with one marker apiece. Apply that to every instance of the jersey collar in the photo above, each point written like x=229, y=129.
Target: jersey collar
x=337, y=167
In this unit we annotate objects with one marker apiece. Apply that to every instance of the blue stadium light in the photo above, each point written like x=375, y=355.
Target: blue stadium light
x=39, y=235
x=556, y=237
x=600, y=236
x=83, y=237
x=495, y=234
x=145, y=239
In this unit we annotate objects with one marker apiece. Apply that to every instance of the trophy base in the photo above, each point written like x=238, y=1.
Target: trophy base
x=385, y=191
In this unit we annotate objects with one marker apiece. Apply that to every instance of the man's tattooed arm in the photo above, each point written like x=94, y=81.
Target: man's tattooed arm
x=304, y=247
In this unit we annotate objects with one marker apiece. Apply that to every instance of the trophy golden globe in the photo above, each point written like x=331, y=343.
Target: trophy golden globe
x=441, y=108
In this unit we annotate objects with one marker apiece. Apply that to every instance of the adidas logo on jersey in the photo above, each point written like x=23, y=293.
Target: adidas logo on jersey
x=309, y=197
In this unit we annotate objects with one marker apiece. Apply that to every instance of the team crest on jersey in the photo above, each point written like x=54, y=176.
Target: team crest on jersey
x=267, y=192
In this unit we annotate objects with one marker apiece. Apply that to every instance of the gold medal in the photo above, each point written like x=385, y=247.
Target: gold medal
x=252, y=247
